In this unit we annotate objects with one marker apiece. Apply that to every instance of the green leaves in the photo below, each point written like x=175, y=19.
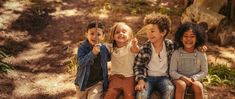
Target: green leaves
x=4, y=67
x=220, y=74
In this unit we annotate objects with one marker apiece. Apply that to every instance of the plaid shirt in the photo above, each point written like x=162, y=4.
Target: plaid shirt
x=144, y=56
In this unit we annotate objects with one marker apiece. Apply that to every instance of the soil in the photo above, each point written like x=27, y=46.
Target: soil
x=41, y=45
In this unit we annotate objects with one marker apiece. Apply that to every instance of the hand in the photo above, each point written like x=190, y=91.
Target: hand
x=203, y=48
x=96, y=49
x=134, y=46
x=140, y=86
x=187, y=80
x=134, y=42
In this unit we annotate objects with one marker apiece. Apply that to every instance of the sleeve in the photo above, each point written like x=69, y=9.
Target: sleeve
x=204, y=68
x=174, y=66
x=139, y=66
x=85, y=58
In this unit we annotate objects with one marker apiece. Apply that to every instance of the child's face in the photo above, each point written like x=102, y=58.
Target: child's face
x=154, y=34
x=95, y=35
x=189, y=39
x=121, y=35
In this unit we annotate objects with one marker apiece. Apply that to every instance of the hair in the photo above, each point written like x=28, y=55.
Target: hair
x=196, y=29
x=114, y=28
x=162, y=21
x=94, y=24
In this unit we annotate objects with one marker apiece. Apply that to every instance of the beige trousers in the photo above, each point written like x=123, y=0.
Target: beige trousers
x=93, y=92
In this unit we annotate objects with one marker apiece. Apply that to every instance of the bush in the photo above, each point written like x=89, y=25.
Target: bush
x=220, y=74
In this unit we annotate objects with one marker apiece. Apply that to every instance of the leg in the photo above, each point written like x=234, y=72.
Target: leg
x=114, y=88
x=165, y=88
x=128, y=87
x=81, y=94
x=197, y=89
x=180, y=89
x=96, y=91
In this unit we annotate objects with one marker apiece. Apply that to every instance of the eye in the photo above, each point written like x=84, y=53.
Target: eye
x=92, y=33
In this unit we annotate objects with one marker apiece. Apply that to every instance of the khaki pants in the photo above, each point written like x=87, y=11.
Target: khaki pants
x=118, y=84
x=93, y=92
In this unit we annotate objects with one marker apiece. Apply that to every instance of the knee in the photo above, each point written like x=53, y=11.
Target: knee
x=180, y=85
x=197, y=87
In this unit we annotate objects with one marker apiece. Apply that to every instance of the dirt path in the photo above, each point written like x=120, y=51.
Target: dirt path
x=41, y=51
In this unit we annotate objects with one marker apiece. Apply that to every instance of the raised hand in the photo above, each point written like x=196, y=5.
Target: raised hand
x=96, y=49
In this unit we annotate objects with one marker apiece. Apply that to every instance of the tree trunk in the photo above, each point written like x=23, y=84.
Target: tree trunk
x=233, y=11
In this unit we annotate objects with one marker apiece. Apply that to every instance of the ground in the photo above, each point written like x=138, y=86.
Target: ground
x=41, y=51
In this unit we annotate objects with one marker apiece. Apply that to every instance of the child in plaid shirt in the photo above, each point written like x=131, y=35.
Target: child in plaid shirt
x=152, y=62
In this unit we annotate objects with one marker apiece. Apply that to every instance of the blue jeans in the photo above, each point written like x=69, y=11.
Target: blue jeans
x=162, y=84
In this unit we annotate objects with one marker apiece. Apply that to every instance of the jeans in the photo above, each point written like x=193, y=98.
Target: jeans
x=162, y=84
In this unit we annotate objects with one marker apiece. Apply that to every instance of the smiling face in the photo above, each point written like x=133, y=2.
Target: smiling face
x=189, y=40
x=154, y=35
x=121, y=35
x=95, y=35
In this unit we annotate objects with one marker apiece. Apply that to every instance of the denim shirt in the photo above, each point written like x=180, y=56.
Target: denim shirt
x=85, y=61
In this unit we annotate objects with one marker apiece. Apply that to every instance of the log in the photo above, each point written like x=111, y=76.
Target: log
x=213, y=5
x=200, y=14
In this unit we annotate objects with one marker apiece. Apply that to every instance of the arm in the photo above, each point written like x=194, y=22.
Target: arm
x=204, y=68
x=139, y=70
x=134, y=46
x=85, y=58
x=139, y=66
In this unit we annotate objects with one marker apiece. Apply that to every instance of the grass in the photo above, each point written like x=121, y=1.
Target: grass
x=220, y=74
x=4, y=67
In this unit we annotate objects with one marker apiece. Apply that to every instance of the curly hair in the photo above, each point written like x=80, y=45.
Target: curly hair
x=162, y=21
x=196, y=29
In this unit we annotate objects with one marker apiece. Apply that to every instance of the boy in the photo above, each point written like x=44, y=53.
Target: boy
x=152, y=62
x=92, y=74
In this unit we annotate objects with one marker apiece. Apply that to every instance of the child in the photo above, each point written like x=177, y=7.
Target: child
x=92, y=73
x=151, y=63
x=124, y=47
x=188, y=65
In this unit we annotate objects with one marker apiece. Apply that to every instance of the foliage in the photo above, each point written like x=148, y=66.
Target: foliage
x=4, y=67
x=220, y=74
x=135, y=7
x=72, y=65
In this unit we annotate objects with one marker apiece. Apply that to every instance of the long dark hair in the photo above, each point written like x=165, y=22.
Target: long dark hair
x=196, y=29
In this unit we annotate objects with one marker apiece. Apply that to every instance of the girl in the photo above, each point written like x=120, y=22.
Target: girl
x=188, y=65
x=124, y=47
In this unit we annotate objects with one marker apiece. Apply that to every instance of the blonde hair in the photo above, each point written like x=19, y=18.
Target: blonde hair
x=114, y=28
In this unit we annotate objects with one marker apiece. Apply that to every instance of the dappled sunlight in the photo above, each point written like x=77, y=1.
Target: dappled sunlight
x=132, y=18
x=36, y=52
x=28, y=84
x=17, y=36
x=101, y=13
x=6, y=18
x=68, y=13
x=13, y=5
x=7, y=15
x=221, y=55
